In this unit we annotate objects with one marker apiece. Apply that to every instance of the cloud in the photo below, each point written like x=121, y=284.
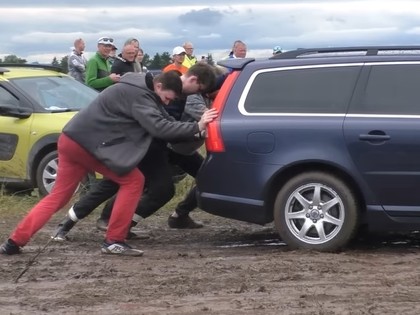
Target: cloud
x=202, y=18
x=45, y=28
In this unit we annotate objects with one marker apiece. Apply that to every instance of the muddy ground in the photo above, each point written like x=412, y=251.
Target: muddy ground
x=228, y=267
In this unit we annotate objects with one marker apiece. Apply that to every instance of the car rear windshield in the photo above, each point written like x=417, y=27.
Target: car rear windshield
x=57, y=93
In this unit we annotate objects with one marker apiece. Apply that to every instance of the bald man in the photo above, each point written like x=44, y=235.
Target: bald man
x=77, y=61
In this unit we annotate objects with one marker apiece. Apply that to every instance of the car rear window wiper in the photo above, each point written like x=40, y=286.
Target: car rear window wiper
x=54, y=109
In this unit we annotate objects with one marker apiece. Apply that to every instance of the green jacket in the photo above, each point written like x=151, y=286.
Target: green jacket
x=98, y=70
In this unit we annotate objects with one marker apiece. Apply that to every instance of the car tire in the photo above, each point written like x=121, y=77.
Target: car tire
x=316, y=211
x=46, y=173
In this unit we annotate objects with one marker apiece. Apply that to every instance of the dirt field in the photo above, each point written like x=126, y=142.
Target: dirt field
x=227, y=267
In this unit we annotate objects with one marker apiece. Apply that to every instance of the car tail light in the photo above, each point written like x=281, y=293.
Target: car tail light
x=214, y=141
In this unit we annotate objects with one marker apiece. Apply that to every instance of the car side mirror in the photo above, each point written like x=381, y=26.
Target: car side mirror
x=13, y=111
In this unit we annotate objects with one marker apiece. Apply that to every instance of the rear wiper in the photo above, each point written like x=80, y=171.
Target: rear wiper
x=61, y=110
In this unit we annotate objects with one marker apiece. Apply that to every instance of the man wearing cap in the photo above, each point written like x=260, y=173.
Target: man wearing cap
x=98, y=69
x=178, y=55
x=277, y=50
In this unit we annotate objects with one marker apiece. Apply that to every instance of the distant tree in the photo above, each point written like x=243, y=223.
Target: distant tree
x=165, y=59
x=55, y=62
x=146, y=60
x=13, y=59
x=155, y=62
x=64, y=64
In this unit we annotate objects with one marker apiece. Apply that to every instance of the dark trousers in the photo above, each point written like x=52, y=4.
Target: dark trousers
x=159, y=187
x=190, y=164
x=157, y=193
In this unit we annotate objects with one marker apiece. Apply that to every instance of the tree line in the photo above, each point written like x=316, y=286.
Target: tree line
x=159, y=61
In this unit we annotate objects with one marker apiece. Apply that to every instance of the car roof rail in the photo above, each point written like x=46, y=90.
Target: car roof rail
x=235, y=63
x=4, y=66
x=347, y=51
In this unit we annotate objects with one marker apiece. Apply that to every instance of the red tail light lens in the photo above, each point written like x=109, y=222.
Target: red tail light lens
x=214, y=141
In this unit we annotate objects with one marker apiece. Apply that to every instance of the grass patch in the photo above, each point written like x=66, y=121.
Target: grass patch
x=17, y=205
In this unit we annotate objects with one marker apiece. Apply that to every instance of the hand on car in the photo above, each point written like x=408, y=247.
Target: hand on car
x=207, y=117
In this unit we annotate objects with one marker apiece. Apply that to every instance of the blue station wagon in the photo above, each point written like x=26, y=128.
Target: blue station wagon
x=320, y=141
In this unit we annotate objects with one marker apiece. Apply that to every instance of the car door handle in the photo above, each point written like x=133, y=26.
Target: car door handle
x=368, y=137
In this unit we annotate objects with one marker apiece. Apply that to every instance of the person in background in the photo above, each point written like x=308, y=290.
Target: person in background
x=178, y=55
x=98, y=69
x=189, y=59
x=238, y=50
x=277, y=50
x=124, y=62
x=204, y=59
x=139, y=60
x=135, y=42
x=112, y=55
x=134, y=109
x=77, y=61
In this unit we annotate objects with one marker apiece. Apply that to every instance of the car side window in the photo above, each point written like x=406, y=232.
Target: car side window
x=308, y=90
x=392, y=90
x=7, y=98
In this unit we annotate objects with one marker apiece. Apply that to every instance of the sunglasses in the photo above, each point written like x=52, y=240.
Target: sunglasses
x=106, y=39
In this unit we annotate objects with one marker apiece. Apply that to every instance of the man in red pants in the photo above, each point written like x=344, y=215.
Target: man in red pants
x=111, y=136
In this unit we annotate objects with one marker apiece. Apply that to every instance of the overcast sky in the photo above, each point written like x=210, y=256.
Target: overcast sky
x=39, y=30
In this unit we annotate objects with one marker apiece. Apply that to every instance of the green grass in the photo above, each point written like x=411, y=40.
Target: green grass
x=12, y=205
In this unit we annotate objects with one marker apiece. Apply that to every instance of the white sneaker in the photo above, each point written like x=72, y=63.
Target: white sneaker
x=121, y=249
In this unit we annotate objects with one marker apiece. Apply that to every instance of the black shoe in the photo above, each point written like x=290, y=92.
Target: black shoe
x=102, y=224
x=132, y=235
x=9, y=248
x=63, y=229
x=183, y=222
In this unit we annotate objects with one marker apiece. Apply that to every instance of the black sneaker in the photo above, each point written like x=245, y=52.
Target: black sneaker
x=183, y=222
x=63, y=229
x=102, y=224
x=9, y=248
x=119, y=248
x=137, y=235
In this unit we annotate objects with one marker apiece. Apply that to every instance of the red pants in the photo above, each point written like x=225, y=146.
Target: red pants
x=74, y=164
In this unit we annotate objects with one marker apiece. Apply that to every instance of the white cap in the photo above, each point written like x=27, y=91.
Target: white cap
x=178, y=50
x=106, y=41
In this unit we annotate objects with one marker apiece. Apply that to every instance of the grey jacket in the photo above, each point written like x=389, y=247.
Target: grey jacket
x=77, y=66
x=195, y=106
x=118, y=126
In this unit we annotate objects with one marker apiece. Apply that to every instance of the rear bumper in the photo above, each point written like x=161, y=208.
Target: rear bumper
x=242, y=209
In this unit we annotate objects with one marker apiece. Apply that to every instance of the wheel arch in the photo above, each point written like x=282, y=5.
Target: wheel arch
x=281, y=177
x=42, y=147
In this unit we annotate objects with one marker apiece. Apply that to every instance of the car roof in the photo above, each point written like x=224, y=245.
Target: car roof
x=309, y=56
x=12, y=71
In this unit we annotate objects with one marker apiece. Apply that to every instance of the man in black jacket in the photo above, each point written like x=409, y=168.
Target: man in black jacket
x=124, y=62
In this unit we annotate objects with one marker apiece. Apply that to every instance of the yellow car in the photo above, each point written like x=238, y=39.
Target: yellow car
x=36, y=101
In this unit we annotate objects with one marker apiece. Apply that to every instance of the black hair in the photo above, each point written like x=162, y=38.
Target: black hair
x=205, y=74
x=170, y=80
